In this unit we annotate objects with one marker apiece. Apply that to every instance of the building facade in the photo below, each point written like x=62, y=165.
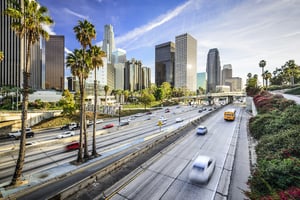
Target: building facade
x=226, y=73
x=235, y=84
x=54, y=63
x=201, y=81
x=119, y=60
x=185, y=62
x=146, y=77
x=213, y=70
x=133, y=75
x=108, y=42
x=164, y=63
x=12, y=66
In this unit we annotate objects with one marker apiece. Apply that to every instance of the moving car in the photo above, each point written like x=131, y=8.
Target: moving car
x=179, y=120
x=124, y=122
x=66, y=134
x=202, y=169
x=108, y=126
x=167, y=110
x=99, y=121
x=201, y=130
x=72, y=146
x=16, y=134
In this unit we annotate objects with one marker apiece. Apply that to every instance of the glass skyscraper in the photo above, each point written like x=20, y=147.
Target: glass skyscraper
x=213, y=70
x=164, y=63
x=108, y=42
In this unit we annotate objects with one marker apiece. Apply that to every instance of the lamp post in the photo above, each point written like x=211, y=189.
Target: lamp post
x=119, y=115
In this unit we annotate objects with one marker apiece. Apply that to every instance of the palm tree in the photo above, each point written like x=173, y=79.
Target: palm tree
x=27, y=23
x=1, y=56
x=262, y=64
x=85, y=33
x=106, y=89
x=76, y=62
x=96, y=55
x=267, y=76
x=292, y=68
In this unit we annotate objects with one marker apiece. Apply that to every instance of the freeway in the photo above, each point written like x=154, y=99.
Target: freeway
x=166, y=175
x=45, y=157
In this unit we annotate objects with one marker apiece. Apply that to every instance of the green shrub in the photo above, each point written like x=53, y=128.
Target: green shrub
x=284, y=144
x=274, y=175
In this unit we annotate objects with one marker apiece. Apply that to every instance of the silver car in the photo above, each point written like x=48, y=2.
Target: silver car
x=66, y=134
x=202, y=169
x=201, y=130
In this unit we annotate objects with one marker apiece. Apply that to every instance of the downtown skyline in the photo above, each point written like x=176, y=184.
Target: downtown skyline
x=244, y=31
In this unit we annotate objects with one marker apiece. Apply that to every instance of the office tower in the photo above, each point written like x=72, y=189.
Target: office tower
x=185, y=62
x=110, y=76
x=213, y=70
x=201, y=81
x=226, y=73
x=118, y=60
x=133, y=75
x=146, y=77
x=235, y=84
x=164, y=63
x=11, y=68
x=119, y=56
x=108, y=42
x=54, y=63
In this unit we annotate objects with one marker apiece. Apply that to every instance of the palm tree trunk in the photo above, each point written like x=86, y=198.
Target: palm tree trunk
x=79, y=157
x=86, y=153
x=21, y=157
x=94, y=152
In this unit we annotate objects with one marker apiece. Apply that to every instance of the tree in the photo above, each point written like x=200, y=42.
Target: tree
x=1, y=56
x=267, y=76
x=146, y=97
x=85, y=32
x=262, y=64
x=68, y=103
x=167, y=90
x=126, y=95
x=76, y=62
x=96, y=55
x=27, y=23
x=106, y=89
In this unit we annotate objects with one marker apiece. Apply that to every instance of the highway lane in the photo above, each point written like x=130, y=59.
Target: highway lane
x=166, y=177
x=118, y=138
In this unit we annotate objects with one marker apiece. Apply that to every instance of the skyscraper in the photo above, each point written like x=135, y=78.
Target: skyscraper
x=118, y=60
x=201, y=80
x=108, y=42
x=54, y=63
x=133, y=75
x=185, y=62
x=213, y=70
x=226, y=73
x=11, y=68
x=146, y=77
x=164, y=63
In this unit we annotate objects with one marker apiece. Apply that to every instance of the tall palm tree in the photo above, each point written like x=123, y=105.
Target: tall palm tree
x=76, y=62
x=1, y=56
x=262, y=64
x=96, y=55
x=106, y=89
x=85, y=33
x=27, y=23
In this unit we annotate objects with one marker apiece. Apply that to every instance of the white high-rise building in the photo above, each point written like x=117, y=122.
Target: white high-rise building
x=108, y=42
x=185, y=62
x=118, y=60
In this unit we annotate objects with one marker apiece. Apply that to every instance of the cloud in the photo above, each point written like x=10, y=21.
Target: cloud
x=67, y=51
x=48, y=29
x=137, y=32
x=76, y=14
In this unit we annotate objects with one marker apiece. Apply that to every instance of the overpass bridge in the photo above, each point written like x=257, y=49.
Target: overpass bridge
x=228, y=97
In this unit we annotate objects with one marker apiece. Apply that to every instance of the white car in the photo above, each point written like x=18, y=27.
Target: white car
x=99, y=121
x=66, y=134
x=163, y=119
x=202, y=169
x=178, y=120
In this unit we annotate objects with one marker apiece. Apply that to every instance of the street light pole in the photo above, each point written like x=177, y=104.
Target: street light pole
x=119, y=115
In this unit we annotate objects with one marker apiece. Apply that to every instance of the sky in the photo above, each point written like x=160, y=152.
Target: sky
x=244, y=31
